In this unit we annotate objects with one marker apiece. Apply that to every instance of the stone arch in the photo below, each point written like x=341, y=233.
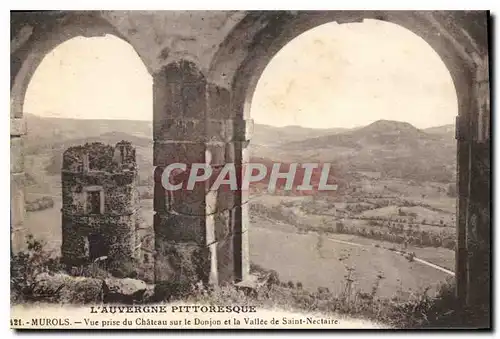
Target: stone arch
x=455, y=36
x=221, y=102
x=33, y=36
x=248, y=49
x=46, y=36
x=195, y=225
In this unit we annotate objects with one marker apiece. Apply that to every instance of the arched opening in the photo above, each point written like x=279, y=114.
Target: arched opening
x=375, y=101
x=88, y=149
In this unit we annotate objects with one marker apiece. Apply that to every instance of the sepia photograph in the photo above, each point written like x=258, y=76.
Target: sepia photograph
x=250, y=169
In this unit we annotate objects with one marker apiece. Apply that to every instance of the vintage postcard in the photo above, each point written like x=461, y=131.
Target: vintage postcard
x=250, y=170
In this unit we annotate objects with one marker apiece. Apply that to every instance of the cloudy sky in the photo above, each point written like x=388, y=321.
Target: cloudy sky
x=331, y=76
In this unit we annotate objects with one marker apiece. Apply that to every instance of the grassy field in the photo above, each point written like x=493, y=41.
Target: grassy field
x=439, y=256
x=300, y=255
x=318, y=261
x=46, y=225
x=430, y=216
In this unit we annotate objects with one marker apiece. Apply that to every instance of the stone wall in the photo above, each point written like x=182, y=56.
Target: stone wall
x=17, y=183
x=109, y=229
x=192, y=124
x=205, y=66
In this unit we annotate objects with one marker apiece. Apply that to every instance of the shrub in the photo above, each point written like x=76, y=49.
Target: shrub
x=441, y=311
x=122, y=268
x=172, y=290
x=39, y=204
x=340, y=227
x=92, y=270
x=452, y=190
x=25, y=266
x=148, y=181
x=410, y=256
x=323, y=290
x=274, y=278
x=416, y=311
x=146, y=195
x=448, y=243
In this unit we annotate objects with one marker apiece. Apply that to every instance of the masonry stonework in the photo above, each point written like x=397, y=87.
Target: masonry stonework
x=205, y=66
x=100, y=205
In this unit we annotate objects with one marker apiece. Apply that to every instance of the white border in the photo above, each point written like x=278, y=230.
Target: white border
x=205, y=5
x=255, y=5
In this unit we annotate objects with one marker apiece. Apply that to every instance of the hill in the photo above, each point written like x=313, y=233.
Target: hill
x=380, y=133
x=447, y=132
x=45, y=132
x=49, y=129
x=394, y=149
x=265, y=135
x=144, y=150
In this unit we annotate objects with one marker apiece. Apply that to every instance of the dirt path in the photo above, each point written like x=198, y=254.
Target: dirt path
x=435, y=266
x=319, y=246
x=442, y=269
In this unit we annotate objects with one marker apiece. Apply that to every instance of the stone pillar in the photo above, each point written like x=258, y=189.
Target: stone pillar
x=233, y=247
x=200, y=234
x=462, y=205
x=478, y=230
x=194, y=229
x=242, y=218
x=17, y=181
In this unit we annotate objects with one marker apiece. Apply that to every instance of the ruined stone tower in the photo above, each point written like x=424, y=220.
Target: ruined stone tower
x=99, y=204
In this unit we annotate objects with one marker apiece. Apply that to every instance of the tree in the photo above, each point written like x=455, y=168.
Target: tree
x=452, y=190
x=340, y=227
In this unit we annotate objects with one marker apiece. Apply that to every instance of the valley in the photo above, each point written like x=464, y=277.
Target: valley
x=395, y=208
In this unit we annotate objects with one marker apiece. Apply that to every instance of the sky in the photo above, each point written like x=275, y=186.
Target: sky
x=334, y=75
x=91, y=78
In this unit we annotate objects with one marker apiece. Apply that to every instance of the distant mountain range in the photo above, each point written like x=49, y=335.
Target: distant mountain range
x=448, y=130
x=395, y=149
x=382, y=132
x=266, y=135
x=45, y=132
